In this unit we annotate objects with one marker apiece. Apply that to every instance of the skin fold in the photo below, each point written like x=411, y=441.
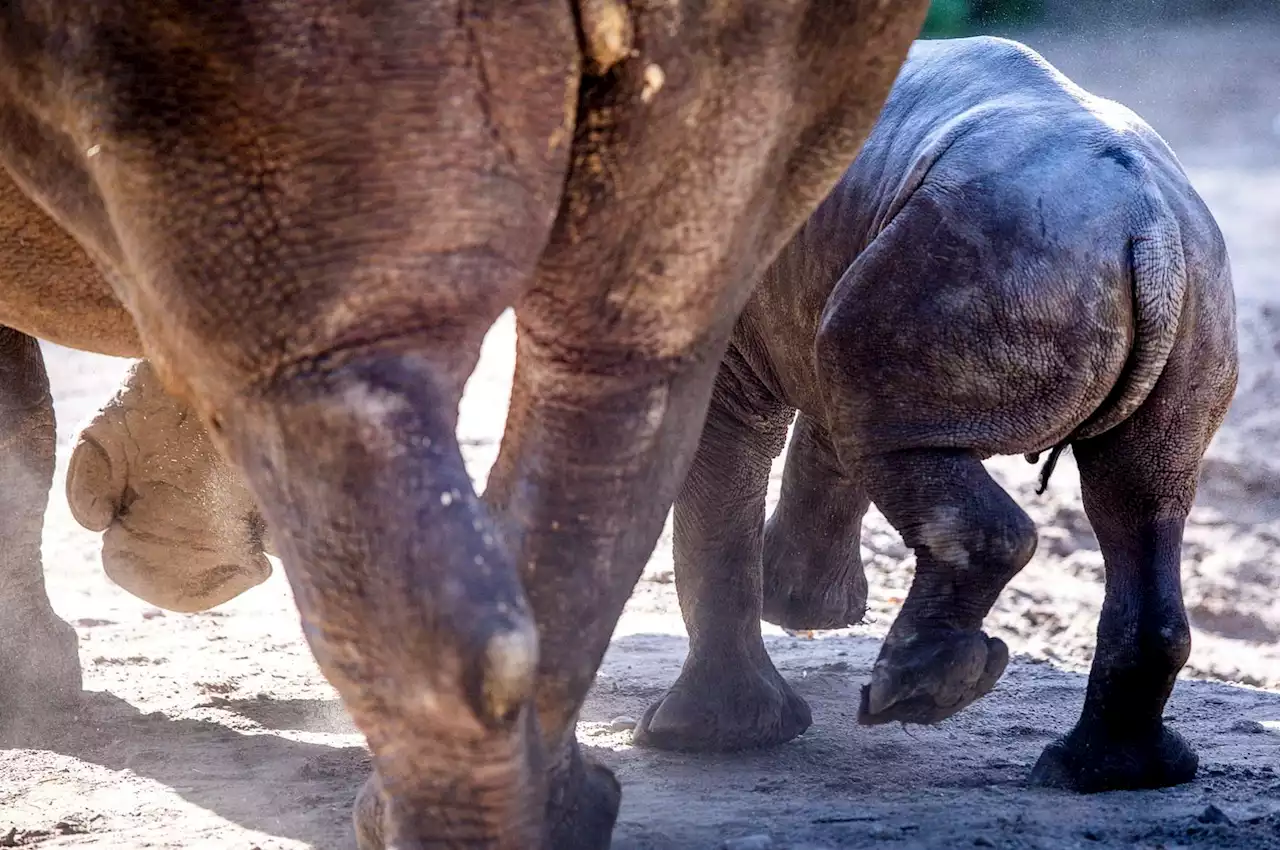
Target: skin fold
x=181, y=531
x=310, y=212
x=1010, y=265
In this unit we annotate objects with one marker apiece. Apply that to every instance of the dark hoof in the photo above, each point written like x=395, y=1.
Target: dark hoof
x=736, y=707
x=927, y=678
x=1087, y=764
x=582, y=810
x=836, y=603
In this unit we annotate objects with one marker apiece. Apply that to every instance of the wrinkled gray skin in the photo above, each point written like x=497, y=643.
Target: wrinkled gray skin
x=1009, y=265
x=306, y=214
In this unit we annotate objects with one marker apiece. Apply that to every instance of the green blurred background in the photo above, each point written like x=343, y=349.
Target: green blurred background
x=954, y=18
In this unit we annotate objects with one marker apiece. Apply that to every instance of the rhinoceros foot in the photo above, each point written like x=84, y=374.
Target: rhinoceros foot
x=181, y=531
x=42, y=674
x=582, y=806
x=837, y=598
x=928, y=676
x=584, y=801
x=1087, y=761
x=728, y=705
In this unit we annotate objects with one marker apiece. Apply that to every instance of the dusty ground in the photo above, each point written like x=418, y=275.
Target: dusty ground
x=216, y=730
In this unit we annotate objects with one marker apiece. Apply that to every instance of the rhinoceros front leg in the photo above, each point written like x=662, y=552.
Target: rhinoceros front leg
x=695, y=158
x=316, y=213
x=729, y=696
x=39, y=661
x=181, y=529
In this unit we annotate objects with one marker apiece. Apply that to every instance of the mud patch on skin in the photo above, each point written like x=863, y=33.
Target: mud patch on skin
x=606, y=32
x=944, y=534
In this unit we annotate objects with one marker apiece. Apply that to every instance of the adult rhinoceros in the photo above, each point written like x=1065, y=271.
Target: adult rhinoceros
x=306, y=214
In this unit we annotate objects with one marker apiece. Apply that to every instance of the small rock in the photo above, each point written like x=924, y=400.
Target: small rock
x=152, y=613
x=981, y=841
x=748, y=842
x=1213, y=814
x=622, y=723
x=1248, y=727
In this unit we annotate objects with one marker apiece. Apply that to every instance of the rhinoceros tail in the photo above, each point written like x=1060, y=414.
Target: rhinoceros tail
x=1159, y=286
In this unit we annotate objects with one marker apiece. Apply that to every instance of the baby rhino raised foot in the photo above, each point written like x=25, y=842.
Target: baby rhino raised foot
x=813, y=573
x=808, y=589
x=928, y=677
x=725, y=708
x=1088, y=764
x=182, y=532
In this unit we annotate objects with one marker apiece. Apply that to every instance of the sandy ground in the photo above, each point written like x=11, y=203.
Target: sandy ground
x=216, y=730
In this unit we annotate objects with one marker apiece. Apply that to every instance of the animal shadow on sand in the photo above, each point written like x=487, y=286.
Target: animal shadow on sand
x=260, y=781
x=961, y=783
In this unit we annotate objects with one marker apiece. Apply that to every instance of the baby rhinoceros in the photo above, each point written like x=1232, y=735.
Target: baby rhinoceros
x=1010, y=265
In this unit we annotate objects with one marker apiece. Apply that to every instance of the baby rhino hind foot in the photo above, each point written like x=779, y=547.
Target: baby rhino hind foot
x=927, y=678
x=1089, y=764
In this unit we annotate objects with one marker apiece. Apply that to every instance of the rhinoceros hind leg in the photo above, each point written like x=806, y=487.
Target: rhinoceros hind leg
x=39, y=658
x=813, y=573
x=970, y=538
x=1138, y=481
x=729, y=696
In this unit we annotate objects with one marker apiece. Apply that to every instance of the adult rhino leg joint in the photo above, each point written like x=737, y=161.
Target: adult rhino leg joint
x=409, y=602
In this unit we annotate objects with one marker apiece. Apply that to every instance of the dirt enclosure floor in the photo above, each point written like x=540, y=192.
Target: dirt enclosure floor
x=216, y=730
